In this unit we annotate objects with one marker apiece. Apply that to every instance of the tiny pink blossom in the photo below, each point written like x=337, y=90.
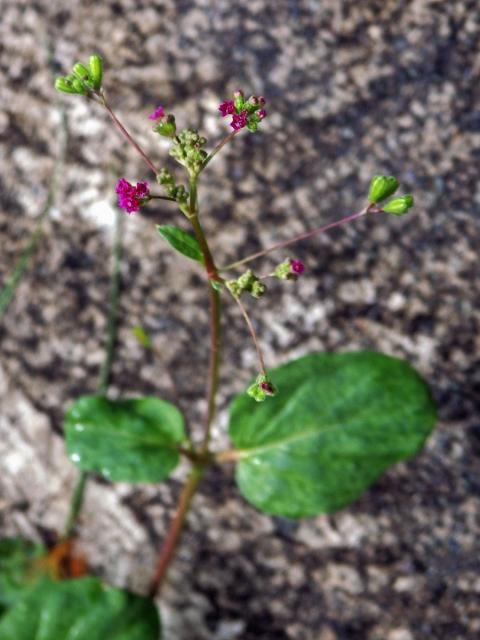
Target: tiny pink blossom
x=297, y=267
x=239, y=120
x=157, y=114
x=261, y=114
x=227, y=108
x=129, y=196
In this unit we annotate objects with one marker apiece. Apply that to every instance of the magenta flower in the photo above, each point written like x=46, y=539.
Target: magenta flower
x=157, y=114
x=227, y=108
x=130, y=197
x=261, y=114
x=239, y=120
x=267, y=388
x=297, y=267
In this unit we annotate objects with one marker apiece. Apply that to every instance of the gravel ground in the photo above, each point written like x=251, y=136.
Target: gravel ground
x=353, y=89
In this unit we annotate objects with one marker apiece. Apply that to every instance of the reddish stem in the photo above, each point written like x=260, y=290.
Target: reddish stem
x=219, y=146
x=175, y=529
x=302, y=236
x=129, y=137
x=261, y=361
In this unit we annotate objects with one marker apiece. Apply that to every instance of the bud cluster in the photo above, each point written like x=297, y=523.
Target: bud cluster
x=261, y=388
x=245, y=113
x=177, y=192
x=247, y=282
x=187, y=149
x=83, y=80
x=381, y=188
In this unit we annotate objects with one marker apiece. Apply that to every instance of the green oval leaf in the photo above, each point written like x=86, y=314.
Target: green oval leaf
x=80, y=610
x=17, y=557
x=338, y=422
x=183, y=242
x=131, y=440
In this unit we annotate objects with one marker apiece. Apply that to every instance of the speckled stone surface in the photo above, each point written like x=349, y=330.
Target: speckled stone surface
x=353, y=89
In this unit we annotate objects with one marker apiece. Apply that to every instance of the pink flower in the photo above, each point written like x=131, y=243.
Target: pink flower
x=157, y=114
x=130, y=197
x=239, y=120
x=297, y=267
x=261, y=114
x=227, y=108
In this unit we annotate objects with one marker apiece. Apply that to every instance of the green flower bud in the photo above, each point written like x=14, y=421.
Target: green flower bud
x=165, y=177
x=77, y=84
x=167, y=127
x=382, y=187
x=283, y=270
x=399, y=206
x=181, y=194
x=261, y=388
x=96, y=71
x=258, y=289
x=238, y=100
x=65, y=85
x=81, y=71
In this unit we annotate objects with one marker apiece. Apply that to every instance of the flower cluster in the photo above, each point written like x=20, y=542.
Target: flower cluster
x=261, y=388
x=289, y=269
x=131, y=197
x=157, y=114
x=164, y=124
x=245, y=113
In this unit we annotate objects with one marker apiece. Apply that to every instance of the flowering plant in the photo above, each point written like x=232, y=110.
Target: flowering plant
x=308, y=437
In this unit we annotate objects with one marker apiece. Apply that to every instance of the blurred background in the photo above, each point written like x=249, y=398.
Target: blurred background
x=353, y=89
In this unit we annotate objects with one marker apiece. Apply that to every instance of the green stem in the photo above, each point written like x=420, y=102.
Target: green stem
x=78, y=496
x=76, y=504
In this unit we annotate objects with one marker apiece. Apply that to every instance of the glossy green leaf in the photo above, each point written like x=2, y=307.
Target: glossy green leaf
x=80, y=610
x=338, y=422
x=17, y=557
x=131, y=440
x=183, y=242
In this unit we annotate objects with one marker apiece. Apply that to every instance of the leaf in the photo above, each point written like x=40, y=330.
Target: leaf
x=125, y=440
x=181, y=241
x=337, y=423
x=80, y=610
x=17, y=558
